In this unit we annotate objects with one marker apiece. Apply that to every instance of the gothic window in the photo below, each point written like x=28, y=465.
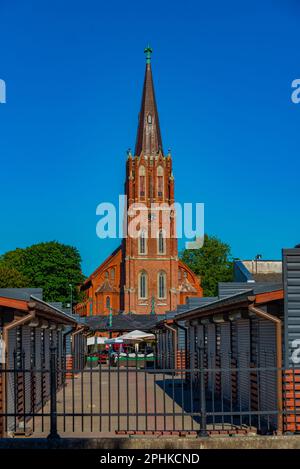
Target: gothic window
x=143, y=285
x=142, y=242
x=106, y=274
x=161, y=242
x=149, y=119
x=161, y=285
x=142, y=181
x=107, y=303
x=113, y=273
x=160, y=181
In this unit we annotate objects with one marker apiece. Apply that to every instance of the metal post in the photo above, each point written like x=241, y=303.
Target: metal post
x=202, y=431
x=53, y=409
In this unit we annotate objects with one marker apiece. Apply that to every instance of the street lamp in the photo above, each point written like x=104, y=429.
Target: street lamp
x=71, y=288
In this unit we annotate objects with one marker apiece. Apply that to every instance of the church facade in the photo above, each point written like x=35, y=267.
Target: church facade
x=144, y=275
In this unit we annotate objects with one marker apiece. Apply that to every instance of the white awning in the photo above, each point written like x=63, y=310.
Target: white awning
x=137, y=336
x=117, y=340
x=96, y=340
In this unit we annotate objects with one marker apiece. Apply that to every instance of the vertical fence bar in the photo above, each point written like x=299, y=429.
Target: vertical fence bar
x=64, y=391
x=146, y=396
x=7, y=375
x=91, y=396
x=33, y=392
x=118, y=389
x=154, y=394
x=182, y=377
x=136, y=391
x=109, y=396
x=15, y=391
x=53, y=405
x=23, y=364
x=127, y=393
x=73, y=391
x=100, y=394
x=293, y=399
x=203, y=421
x=81, y=392
x=258, y=399
x=173, y=390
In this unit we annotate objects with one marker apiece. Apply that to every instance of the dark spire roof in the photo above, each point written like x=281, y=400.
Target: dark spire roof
x=148, y=138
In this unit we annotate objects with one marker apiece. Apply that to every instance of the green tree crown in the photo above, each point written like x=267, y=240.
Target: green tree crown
x=212, y=262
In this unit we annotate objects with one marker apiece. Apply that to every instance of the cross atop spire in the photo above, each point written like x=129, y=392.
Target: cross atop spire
x=148, y=140
x=148, y=52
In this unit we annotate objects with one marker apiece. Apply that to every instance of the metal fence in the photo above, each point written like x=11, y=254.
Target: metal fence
x=130, y=394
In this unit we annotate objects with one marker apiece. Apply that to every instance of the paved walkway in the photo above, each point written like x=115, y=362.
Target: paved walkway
x=113, y=402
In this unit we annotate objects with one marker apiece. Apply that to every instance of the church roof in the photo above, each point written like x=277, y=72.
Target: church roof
x=148, y=140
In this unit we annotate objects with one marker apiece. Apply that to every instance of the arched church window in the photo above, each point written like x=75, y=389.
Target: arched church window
x=113, y=273
x=161, y=285
x=106, y=274
x=107, y=302
x=143, y=287
x=143, y=242
x=149, y=119
x=142, y=181
x=161, y=242
x=160, y=181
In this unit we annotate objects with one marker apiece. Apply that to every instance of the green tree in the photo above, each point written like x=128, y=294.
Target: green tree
x=12, y=278
x=212, y=262
x=51, y=266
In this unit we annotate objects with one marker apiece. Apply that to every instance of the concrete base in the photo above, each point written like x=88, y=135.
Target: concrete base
x=236, y=442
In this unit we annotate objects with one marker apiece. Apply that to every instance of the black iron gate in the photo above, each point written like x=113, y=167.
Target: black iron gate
x=129, y=394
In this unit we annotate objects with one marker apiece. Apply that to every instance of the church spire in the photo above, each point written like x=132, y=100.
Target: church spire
x=148, y=140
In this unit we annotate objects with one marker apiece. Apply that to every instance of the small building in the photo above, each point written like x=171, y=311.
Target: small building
x=29, y=327
x=171, y=333
x=248, y=341
x=257, y=270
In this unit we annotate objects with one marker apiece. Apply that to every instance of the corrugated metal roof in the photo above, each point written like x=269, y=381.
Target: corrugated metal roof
x=236, y=298
x=22, y=294
x=34, y=294
x=123, y=322
x=197, y=301
x=230, y=288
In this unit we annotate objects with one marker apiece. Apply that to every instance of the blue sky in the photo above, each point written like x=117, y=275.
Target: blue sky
x=223, y=71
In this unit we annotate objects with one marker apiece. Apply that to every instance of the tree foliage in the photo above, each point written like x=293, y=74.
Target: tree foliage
x=212, y=262
x=51, y=266
x=12, y=278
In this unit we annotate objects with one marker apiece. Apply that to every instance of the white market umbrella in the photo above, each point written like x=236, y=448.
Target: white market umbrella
x=137, y=336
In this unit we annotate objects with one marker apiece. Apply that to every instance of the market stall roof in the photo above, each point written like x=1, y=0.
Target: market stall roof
x=137, y=336
x=123, y=322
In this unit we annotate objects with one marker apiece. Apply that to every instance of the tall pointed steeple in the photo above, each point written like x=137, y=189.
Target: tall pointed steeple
x=148, y=140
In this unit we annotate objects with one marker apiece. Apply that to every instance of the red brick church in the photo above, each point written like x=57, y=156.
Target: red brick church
x=144, y=274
